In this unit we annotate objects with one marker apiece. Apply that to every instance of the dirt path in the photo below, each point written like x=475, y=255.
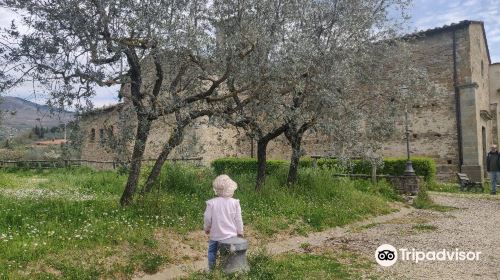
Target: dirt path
x=473, y=226
x=177, y=271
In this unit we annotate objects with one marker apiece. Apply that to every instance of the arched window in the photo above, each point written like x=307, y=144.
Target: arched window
x=101, y=135
x=92, y=135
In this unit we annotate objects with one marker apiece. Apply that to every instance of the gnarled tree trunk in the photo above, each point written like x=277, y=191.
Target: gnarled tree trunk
x=295, y=143
x=262, y=155
x=294, y=135
x=174, y=140
x=143, y=128
x=261, y=164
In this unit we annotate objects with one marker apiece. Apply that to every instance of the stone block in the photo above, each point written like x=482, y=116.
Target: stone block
x=406, y=184
x=233, y=255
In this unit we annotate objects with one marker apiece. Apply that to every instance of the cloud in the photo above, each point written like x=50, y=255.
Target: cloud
x=28, y=91
x=6, y=17
x=435, y=13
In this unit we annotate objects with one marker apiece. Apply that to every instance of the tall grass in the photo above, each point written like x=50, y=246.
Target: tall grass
x=50, y=218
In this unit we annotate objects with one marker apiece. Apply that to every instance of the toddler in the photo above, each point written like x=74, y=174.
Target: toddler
x=222, y=218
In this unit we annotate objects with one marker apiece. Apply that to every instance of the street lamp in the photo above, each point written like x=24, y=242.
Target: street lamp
x=60, y=124
x=409, y=166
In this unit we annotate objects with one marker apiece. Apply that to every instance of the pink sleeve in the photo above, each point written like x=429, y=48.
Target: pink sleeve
x=238, y=219
x=207, y=217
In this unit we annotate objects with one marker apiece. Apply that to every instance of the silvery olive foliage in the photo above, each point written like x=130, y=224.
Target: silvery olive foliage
x=169, y=57
x=389, y=85
x=1, y=112
x=166, y=54
x=336, y=68
x=267, y=66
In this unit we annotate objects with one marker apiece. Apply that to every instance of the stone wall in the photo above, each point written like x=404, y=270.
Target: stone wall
x=433, y=123
x=477, y=118
x=200, y=140
x=494, y=80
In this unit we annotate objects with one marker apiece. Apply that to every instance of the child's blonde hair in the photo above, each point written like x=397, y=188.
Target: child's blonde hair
x=224, y=186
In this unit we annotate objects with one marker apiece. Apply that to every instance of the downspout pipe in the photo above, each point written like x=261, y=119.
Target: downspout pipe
x=457, y=102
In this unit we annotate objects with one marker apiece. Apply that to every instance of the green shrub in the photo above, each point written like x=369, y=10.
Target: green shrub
x=245, y=165
x=423, y=201
x=425, y=167
x=323, y=163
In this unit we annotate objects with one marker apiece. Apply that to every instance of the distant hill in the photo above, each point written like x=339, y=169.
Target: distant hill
x=20, y=115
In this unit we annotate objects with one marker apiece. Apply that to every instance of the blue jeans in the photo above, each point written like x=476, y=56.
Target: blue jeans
x=213, y=246
x=494, y=175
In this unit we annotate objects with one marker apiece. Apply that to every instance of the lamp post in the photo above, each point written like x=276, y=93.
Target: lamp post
x=64, y=131
x=409, y=166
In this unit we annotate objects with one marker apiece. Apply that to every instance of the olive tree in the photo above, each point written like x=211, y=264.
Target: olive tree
x=70, y=47
x=172, y=58
x=359, y=108
x=325, y=71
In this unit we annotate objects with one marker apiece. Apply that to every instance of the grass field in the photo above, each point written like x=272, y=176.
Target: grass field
x=67, y=223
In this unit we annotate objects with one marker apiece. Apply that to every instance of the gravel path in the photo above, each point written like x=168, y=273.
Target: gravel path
x=473, y=226
x=177, y=271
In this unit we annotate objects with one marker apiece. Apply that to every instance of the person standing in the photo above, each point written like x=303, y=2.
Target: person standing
x=493, y=167
x=222, y=218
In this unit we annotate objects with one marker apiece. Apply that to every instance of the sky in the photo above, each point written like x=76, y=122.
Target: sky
x=424, y=14
x=435, y=13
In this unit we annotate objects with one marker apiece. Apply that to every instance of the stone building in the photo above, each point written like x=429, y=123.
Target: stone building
x=455, y=129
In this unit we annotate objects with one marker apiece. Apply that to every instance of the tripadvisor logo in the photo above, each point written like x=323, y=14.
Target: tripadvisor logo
x=387, y=255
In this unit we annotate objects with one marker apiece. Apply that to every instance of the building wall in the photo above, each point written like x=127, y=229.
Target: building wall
x=433, y=123
x=494, y=81
x=200, y=139
x=477, y=124
x=480, y=75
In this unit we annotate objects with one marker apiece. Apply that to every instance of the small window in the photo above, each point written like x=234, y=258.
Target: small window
x=482, y=68
x=101, y=135
x=449, y=161
x=415, y=135
x=92, y=135
x=110, y=131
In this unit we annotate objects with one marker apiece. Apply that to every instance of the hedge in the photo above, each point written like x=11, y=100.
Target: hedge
x=425, y=167
x=244, y=165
